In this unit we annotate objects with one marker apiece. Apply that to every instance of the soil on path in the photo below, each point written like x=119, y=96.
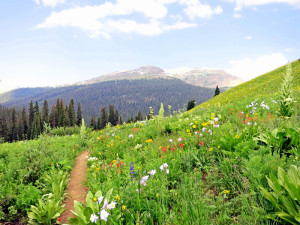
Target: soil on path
x=76, y=190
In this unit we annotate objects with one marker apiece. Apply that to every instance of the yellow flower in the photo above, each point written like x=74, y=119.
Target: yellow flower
x=157, y=195
x=138, y=168
x=149, y=140
x=194, y=126
x=118, y=197
x=256, y=114
x=159, y=147
x=226, y=191
x=204, y=124
x=94, y=199
x=188, y=130
x=237, y=136
x=212, y=114
x=196, y=122
x=99, y=153
x=114, y=161
x=210, y=149
x=218, y=146
x=176, y=194
x=123, y=207
x=98, y=168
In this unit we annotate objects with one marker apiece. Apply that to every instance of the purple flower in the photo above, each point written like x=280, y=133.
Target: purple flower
x=132, y=172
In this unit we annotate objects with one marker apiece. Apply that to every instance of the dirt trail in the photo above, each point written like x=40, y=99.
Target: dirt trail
x=76, y=190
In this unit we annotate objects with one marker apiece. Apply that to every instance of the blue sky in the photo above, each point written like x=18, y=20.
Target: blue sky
x=53, y=42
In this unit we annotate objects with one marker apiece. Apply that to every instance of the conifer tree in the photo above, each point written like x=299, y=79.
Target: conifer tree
x=23, y=125
x=191, y=104
x=117, y=118
x=13, y=129
x=111, y=115
x=30, y=119
x=53, y=120
x=139, y=116
x=103, y=118
x=45, y=112
x=93, y=123
x=217, y=91
x=79, y=115
x=67, y=122
x=3, y=130
x=71, y=113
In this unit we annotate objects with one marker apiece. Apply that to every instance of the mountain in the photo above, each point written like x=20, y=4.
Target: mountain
x=128, y=96
x=205, y=77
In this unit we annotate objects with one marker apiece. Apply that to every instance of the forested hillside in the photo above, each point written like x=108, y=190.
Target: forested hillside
x=128, y=96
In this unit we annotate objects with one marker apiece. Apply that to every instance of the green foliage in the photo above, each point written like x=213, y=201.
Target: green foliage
x=285, y=195
x=191, y=104
x=286, y=100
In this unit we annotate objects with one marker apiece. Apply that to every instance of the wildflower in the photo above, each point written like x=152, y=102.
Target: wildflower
x=123, y=207
x=149, y=140
x=94, y=199
x=86, y=189
x=118, y=197
x=194, y=126
x=210, y=132
x=130, y=136
x=226, y=191
x=188, y=130
x=132, y=172
x=167, y=171
x=210, y=149
x=100, y=199
x=94, y=218
x=104, y=215
x=196, y=133
x=179, y=139
x=112, y=205
x=157, y=195
x=105, y=204
x=181, y=145
x=58, y=219
x=170, y=140
x=152, y=172
x=237, y=136
x=216, y=126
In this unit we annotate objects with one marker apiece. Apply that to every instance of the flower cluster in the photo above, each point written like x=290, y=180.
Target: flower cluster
x=132, y=172
x=103, y=213
x=164, y=167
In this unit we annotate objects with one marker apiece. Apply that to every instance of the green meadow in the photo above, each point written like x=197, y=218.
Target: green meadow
x=231, y=160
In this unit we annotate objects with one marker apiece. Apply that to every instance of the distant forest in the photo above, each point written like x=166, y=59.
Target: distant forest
x=128, y=96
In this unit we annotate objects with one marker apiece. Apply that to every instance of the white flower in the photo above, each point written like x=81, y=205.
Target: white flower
x=196, y=133
x=216, y=126
x=100, y=199
x=216, y=119
x=249, y=123
x=105, y=204
x=179, y=139
x=165, y=165
x=130, y=136
x=161, y=168
x=191, y=124
x=171, y=140
x=210, y=132
x=152, y=172
x=94, y=218
x=112, y=205
x=167, y=171
x=203, y=129
x=145, y=178
x=143, y=182
x=104, y=215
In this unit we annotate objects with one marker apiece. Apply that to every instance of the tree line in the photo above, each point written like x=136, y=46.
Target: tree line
x=29, y=124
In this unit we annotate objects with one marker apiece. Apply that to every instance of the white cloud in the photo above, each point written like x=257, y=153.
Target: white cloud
x=237, y=15
x=51, y=3
x=288, y=49
x=196, y=9
x=102, y=20
x=250, y=3
x=249, y=37
x=248, y=69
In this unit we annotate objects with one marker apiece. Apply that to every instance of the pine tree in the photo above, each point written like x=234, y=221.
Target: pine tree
x=23, y=125
x=3, y=131
x=30, y=119
x=13, y=129
x=53, y=120
x=139, y=116
x=71, y=112
x=111, y=115
x=217, y=91
x=67, y=122
x=117, y=118
x=191, y=104
x=93, y=123
x=45, y=112
x=79, y=115
x=103, y=118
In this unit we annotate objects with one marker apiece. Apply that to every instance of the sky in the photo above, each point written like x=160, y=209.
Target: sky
x=56, y=42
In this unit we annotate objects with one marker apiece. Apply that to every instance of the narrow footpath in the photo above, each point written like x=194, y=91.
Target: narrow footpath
x=76, y=190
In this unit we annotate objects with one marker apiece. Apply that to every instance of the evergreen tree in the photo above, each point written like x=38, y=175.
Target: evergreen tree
x=53, y=120
x=23, y=125
x=79, y=115
x=111, y=115
x=36, y=129
x=67, y=122
x=139, y=116
x=45, y=112
x=117, y=118
x=71, y=113
x=13, y=129
x=93, y=123
x=30, y=119
x=191, y=104
x=61, y=114
x=98, y=123
x=3, y=131
x=217, y=91
x=103, y=118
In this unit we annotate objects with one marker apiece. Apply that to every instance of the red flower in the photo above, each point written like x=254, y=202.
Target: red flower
x=181, y=145
x=86, y=189
x=118, y=165
x=173, y=149
x=201, y=143
x=58, y=219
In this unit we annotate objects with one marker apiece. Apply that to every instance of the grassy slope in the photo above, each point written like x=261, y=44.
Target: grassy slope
x=263, y=86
